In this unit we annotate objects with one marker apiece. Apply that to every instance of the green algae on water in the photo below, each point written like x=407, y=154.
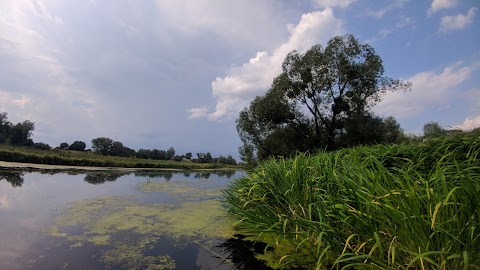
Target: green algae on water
x=127, y=228
x=182, y=189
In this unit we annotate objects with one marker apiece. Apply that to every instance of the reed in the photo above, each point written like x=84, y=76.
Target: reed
x=409, y=206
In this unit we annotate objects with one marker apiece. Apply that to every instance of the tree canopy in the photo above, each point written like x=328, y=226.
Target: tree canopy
x=321, y=100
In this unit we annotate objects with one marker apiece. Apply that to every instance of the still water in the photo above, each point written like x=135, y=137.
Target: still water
x=113, y=220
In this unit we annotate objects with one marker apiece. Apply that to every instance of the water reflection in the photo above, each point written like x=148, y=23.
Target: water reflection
x=242, y=252
x=32, y=199
x=96, y=178
x=13, y=177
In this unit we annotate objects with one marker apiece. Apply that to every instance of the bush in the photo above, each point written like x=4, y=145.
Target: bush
x=41, y=146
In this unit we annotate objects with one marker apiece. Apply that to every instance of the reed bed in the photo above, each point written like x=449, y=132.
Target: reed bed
x=409, y=206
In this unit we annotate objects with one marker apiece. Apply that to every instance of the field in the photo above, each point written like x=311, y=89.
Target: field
x=408, y=206
x=78, y=158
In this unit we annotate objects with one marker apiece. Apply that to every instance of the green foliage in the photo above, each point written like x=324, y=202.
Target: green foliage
x=75, y=146
x=433, y=130
x=407, y=206
x=41, y=146
x=321, y=100
x=20, y=133
x=170, y=153
x=63, y=146
x=204, y=157
x=102, y=145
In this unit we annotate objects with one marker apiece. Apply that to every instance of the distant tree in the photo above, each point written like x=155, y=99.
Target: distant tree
x=20, y=133
x=41, y=146
x=188, y=155
x=204, y=157
x=77, y=146
x=158, y=154
x=63, y=146
x=144, y=153
x=433, y=130
x=231, y=160
x=247, y=154
x=177, y=158
x=393, y=131
x=117, y=149
x=5, y=127
x=102, y=145
x=170, y=153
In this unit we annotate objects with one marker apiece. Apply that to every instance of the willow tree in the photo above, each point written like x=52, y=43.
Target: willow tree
x=319, y=100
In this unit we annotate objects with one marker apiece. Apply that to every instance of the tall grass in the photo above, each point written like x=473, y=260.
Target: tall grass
x=412, y=206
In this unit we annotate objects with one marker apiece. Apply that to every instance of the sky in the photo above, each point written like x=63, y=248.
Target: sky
x=156, y=74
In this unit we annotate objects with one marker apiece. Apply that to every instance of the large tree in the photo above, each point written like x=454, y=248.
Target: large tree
x=322, y=99
x=21, y=133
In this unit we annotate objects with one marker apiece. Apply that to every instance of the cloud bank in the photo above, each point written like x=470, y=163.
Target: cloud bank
x=234, y=91
x=429, y=90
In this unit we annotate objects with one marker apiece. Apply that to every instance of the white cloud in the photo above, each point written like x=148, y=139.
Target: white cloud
x=429, y=90
x=7, y=101
x=458, y=21
x=469, y=123
x=198, y=112
x=234, y=91
x=441, y=4
x=333, y=3
x=381, y=12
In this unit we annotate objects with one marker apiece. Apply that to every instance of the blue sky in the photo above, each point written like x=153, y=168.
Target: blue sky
x=155, y=74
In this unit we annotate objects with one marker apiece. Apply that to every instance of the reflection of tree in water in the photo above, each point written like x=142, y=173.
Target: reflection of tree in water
x=202, y=175
x=242, y=253
x=96, y=178
x=13, y=177
x=227, y=174
x=154, y=174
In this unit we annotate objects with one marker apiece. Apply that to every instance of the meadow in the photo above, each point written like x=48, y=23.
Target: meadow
x=87, y=158
x=406, y=206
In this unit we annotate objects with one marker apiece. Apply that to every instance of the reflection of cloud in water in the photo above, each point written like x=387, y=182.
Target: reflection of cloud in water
x=3, y=201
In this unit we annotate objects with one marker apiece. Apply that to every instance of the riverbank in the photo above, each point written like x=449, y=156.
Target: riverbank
x=409, y=206
x=72, y=159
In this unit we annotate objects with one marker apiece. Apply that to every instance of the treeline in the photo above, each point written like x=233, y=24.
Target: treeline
x=108, y=147
x=20, y=135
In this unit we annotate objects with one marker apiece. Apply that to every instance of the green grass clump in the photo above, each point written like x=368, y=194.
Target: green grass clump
x=409, y=206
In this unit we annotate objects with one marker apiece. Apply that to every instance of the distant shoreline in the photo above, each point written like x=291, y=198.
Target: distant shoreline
x=18, y=165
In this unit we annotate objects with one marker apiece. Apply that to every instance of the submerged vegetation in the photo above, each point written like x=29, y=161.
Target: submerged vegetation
x=129, y=231
x=407, y=206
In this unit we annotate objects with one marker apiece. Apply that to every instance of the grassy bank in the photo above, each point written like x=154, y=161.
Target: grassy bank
x=414, y=206
x=77, y=158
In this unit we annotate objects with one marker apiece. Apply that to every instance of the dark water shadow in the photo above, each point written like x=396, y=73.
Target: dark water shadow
x=242, y=252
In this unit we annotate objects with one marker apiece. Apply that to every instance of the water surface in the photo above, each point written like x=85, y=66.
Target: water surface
x=115, y=220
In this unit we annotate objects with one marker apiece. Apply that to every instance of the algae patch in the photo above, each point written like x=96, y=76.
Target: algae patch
x=128, y=228
x=182, y=189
